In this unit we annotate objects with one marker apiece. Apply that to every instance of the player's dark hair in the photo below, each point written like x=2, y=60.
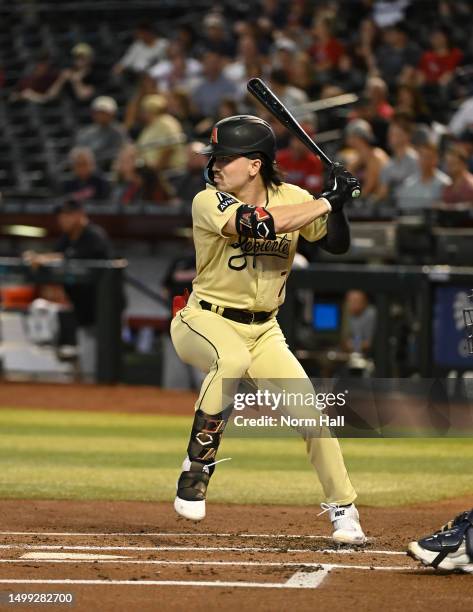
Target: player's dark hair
x=270, y=172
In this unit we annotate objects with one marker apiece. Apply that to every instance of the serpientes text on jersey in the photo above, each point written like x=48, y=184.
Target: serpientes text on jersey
x=259, y=248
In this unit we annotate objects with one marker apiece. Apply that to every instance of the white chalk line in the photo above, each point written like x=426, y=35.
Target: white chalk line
x=337, y=551
x=25, y=560
x=166, y=534
x=185, y=583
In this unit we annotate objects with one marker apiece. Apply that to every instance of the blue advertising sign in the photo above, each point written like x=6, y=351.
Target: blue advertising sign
x=449, y=333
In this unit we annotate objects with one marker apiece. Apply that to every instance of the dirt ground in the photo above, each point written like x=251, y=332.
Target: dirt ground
x=172, y=564
x=113, y=398
x=141, y=556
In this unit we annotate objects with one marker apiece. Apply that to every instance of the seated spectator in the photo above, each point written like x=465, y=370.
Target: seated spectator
x=404, y=160
x=409, y=101
x=326, y=50
x=105, y=136
x=438, y=63
x=79, y=80
x=186, y=36
x=364, y=109
x=37, y=81
x=290, y=96
x=364, y=45
x=369, y=160
x=462, y=118
x=135, y=182
x=238, y=71
x=87, y=185
x=193, y=181
x=161, y=141
x=359, y=331
x=146, y=86
x=282, y=54
x=213, y=87
x=177, y=71
x=347, y=75
x=426, y=186
x=466, y=141
x=180, y=106
x=227, y=108
x=300, y=166
x=461, y=189
x=215, y=37
x=376, y=93
x=397, y=57
x=147, y=50
x=302, y=74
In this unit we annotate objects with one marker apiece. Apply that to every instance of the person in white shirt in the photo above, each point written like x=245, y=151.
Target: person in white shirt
x=177, y=71
x=463, y=118
x=147, y=49
x=425, y=187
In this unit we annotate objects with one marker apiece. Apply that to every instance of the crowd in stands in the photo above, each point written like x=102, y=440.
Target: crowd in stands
x=408, y=137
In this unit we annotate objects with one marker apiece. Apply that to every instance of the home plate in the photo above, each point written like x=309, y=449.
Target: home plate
x=58, y=556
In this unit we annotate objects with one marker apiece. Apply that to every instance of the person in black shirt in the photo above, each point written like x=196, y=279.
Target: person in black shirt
x=80, y=239
x=87, y=184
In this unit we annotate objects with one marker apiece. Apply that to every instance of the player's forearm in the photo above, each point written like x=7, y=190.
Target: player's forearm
x=293, y=217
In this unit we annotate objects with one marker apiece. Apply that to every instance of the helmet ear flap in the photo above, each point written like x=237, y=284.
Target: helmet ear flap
x=208, y=171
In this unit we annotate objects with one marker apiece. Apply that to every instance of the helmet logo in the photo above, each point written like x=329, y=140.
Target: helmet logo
x=214, y=137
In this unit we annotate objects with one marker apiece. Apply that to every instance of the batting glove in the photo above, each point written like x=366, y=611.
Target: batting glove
x=344, y=187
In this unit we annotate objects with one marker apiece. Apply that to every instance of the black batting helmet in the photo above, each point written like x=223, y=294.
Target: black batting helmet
x=240, y=135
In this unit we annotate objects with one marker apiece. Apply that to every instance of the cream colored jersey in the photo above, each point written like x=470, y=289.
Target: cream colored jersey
x=235, y=272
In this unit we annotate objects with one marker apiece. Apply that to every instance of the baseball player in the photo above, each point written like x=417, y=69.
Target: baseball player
x=246, y=224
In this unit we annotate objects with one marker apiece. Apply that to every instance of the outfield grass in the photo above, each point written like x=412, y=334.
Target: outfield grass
x=84, y=455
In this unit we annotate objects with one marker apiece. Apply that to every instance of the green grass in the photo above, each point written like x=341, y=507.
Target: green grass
x=84, y=455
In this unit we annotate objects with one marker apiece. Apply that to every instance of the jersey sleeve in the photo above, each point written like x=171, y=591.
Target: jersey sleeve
x=211, y=209
x=315, y=230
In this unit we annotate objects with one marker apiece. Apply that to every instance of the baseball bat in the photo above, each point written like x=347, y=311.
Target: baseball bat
x=269, y=100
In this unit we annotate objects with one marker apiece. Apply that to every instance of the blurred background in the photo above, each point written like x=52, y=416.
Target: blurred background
x=104, y=107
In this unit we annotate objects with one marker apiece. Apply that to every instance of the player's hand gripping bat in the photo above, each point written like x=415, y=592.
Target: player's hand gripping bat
x=263, y=93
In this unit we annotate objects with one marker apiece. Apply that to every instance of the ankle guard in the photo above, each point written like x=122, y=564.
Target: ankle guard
x=451, y=537
x=203, y=445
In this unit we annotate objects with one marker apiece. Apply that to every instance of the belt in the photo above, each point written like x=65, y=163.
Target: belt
x=240, y=316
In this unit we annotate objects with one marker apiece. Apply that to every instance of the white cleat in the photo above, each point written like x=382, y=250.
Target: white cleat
x=454, y=561
x=192, y=510
x=346, y=524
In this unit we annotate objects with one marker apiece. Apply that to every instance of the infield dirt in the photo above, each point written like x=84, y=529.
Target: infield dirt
x=235, y=543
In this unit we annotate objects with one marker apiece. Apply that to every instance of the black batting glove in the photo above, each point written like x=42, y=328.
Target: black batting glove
x=345, y=186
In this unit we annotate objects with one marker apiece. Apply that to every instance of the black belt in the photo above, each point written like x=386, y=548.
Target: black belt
x=240, y=316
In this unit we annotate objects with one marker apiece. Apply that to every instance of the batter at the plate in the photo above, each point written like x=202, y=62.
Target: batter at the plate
x=246, y=225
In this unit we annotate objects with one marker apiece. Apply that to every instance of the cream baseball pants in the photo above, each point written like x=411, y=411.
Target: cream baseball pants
x=225, y=349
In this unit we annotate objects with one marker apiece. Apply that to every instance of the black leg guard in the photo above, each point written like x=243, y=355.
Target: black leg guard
x=202, y=450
